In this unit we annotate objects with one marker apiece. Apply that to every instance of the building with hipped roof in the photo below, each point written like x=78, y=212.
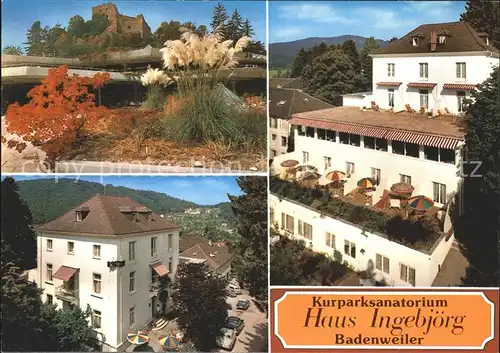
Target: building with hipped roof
x=409, y=130
x=108, y=253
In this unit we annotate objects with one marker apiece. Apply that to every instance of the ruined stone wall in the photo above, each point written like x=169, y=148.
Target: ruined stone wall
x=121, y=23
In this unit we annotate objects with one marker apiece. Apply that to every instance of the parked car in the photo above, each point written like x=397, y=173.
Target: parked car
x=227, y=338
x=243, y=304
x=235, y=289
x=235, y=323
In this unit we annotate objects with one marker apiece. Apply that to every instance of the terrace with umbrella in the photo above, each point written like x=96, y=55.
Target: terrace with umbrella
x=334, y=182
x=140, y=339
x=307, y=175
x=287, y=170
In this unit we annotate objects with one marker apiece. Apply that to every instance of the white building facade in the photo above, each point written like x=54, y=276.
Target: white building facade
x=433, y=68
x=84, y=269
x=397, y=264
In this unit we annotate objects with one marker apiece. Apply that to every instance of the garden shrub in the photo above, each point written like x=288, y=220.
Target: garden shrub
x=405, y=231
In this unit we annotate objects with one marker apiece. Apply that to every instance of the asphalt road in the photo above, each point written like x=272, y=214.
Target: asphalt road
x=254, y=336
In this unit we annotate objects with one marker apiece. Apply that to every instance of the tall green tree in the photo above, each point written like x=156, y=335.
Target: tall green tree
x=199, y=296
x=77, y=26
x=21, y=305
x=299, y=62
x=285, y=268
x=349, y=48
x=255, y=47
x=479, y=204
x=247, y=29
x=35, y=39
x=18, y=239
x=330, y=75
x=97, y=24
x=484, y=16
x=53, y=37
x=219, y=18
x=12, y=50
x=370, y=47
x=67, y=330
x=250, y=260
x=235, y=26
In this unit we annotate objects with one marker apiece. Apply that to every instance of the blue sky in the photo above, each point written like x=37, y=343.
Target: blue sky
x=292, y=20
x=204, y=190
x=19, y=15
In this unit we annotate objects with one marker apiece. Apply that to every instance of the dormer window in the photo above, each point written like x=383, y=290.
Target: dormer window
x=134, y=217
x=415, y=41
x=442, y=39
x=79, y=216
x=150, y=216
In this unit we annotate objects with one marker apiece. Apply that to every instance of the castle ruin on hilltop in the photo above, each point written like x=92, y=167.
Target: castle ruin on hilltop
x=120, y=23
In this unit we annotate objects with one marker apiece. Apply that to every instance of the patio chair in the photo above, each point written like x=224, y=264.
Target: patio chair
x=410, y=109
x=395, y=203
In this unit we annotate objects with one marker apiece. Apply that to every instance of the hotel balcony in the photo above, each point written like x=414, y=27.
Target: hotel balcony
x=67, y=294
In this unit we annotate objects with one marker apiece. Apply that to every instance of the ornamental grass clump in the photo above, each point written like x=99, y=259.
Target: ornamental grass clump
x=155, y=80
x=196, y=64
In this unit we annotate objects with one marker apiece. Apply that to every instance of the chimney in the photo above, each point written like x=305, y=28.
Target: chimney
x=433, y=40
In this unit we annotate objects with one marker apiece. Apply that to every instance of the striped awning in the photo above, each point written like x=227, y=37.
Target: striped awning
x=359, y=130
x=459, y=86
x=423, y=139
x=319, y=124
x=160, y=268
x=65, y=273
x=389, y=84
x=422, y=84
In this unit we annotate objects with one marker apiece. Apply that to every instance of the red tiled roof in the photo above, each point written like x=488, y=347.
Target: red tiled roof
x=459, y=86
x=65, y=273
x=160, y=268
x=422, y=84
x=388, y=83
x=105, y=217
x=197, y=247
x=423, y=139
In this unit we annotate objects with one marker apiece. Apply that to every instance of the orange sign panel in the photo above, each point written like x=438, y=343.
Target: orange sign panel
x=401, y=320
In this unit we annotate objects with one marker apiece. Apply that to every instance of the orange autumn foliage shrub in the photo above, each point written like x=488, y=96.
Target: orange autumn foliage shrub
x=60, y=107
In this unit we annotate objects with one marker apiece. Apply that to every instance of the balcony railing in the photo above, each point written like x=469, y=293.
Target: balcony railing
x=67, y=294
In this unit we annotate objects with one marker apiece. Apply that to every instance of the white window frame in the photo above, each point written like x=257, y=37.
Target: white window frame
x=424, y=98
x=96, y=251
x=50, y=299
x=376, y=174
x=349, y=247
x=439, y=193
x=273, y=137
x=391, y=70
x=131, y=316
x=330, y=240
x=154, y=246
x=404, y=274
x=274, y=123
x=96, y=283
x=49, y=272
x=461, y=70
x=49, y=244
x=170, y=241
x=461, y=96
x=284, y=141
x=403, y=178
x=305, y=157
x=96, y=319
x=131, y=250
x=79, y=216
x=170, y=264
x=390, y=96
x=327, y=162
x=131, y=281
x=302, y=230
x=381, y=264
x=415, y=41
x=349, y=169
x=423, y=72
x=71, y=249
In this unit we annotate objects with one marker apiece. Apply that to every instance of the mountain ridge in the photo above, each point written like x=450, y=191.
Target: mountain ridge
x=281, y=54
x=48, y=199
